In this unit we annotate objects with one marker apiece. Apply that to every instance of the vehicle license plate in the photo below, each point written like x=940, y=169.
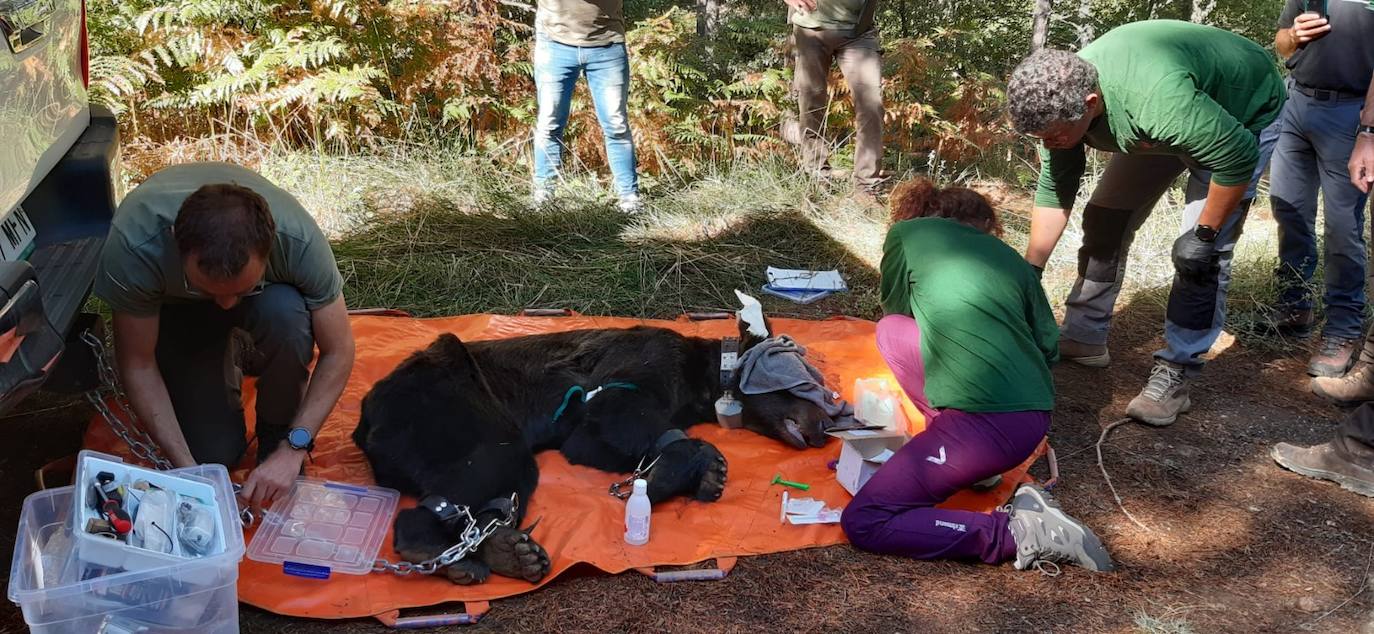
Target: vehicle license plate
x=16, y=235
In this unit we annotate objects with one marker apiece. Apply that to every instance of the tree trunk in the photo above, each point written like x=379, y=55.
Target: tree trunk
x=1040, y=27
x=708, y=18
x=1086, y=31
x=906, y=24
x=1202, y=9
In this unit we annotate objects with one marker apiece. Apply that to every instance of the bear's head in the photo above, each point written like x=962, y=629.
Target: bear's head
x=779, y=414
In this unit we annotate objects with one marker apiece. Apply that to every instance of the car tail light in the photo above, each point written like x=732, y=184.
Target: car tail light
x=85, y=49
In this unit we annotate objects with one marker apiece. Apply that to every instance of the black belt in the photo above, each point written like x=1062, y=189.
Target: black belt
x=1322, y=94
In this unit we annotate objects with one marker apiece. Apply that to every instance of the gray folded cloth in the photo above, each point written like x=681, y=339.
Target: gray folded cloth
x=779, y=364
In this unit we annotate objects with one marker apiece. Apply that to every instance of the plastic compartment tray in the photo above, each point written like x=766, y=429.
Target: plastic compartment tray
x=326, y=524
x=115, y=554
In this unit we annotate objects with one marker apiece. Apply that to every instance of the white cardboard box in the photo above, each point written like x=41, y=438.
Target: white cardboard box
x=862, y=452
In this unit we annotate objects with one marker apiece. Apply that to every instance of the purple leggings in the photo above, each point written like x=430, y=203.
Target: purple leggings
x=894, y=513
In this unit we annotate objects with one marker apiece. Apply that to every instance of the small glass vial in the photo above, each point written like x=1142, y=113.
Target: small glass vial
x=637, y=515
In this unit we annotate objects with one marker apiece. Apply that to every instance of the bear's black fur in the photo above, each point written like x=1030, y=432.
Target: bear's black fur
x=464, y=420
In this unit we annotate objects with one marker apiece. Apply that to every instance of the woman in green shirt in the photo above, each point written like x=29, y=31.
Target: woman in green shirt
x=970, y=338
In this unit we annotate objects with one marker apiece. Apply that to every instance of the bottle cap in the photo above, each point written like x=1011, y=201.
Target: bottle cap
x=641, y=486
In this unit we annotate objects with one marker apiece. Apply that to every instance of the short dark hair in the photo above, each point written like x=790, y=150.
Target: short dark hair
x=223, y=225
x=920, y=198
x=1047, y=87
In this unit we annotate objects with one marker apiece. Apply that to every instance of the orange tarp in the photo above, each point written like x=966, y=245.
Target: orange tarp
x=578, y=521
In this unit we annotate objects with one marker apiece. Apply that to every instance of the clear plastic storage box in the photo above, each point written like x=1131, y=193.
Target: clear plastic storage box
x=61, y=587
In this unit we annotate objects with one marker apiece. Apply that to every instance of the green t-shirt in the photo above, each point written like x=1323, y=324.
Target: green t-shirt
x=831, y=15
x=140, y=268
x=988, y=336
x=581, y=22
x=1177, y=88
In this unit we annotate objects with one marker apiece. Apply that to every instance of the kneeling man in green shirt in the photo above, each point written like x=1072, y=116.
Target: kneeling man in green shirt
x=1163, y=96
x=213, y=272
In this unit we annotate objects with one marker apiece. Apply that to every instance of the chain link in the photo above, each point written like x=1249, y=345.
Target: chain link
x=108, y=397
x=113, y=405
x=471, y=539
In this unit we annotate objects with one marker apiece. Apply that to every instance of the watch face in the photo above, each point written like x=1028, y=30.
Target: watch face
x=298, y=438
x=1205, y=233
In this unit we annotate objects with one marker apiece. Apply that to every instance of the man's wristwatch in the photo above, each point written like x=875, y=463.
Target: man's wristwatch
x=1365, y=129
x=1205, y=233
x=301, y=439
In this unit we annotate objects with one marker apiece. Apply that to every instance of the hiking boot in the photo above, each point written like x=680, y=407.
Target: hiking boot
x=1334, y=358
x=1357, y=386
x=1091, y=355
x=1165, y=396
x=1293, y=322
x=1045, y=534
x=1325, y=463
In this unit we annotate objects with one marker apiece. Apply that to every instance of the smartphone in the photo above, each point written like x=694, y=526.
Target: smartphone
x=1316, y=6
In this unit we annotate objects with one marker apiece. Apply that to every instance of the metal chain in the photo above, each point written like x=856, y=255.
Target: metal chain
x=113, y=405
x=618, y=489
x=108, y=397
x=467, y=544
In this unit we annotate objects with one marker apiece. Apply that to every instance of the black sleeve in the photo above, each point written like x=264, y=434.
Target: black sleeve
x=1291, y=10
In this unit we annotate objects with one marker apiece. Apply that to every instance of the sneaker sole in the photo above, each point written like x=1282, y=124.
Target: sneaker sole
x=1091, y=554
x=1162, y=422
x=1095, y=361
x=1346, y=482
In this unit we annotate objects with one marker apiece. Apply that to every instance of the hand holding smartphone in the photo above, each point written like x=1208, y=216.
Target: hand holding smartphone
x=1312, y=23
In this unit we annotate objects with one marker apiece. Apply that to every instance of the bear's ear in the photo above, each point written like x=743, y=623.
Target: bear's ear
x=450, y=353
x=450, y=349
x=753, y=325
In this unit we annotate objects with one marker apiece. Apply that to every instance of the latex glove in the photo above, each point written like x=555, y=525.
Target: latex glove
x=1194, y=258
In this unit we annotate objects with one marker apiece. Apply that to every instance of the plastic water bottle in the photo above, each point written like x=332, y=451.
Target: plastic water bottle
x=637, y=515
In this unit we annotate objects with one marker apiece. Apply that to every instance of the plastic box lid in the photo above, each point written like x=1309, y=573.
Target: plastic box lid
x=325, y=525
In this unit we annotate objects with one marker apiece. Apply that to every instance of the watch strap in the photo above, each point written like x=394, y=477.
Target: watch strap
x=1365, y=129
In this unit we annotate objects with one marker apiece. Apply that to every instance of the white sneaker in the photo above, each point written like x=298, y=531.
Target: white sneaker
x=630, y=205
x=541, y=196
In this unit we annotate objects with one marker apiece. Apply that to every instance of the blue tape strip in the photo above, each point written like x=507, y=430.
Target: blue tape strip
x=345, y=487
x=306, y=571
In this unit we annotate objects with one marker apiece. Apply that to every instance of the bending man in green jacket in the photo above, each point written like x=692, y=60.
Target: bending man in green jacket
x=1163, y=96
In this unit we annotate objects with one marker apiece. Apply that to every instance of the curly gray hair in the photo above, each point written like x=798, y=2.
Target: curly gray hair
x=1047, y=87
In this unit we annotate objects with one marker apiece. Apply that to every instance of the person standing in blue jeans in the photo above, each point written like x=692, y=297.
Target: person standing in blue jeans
x=1330, y=58
x=573, y=37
